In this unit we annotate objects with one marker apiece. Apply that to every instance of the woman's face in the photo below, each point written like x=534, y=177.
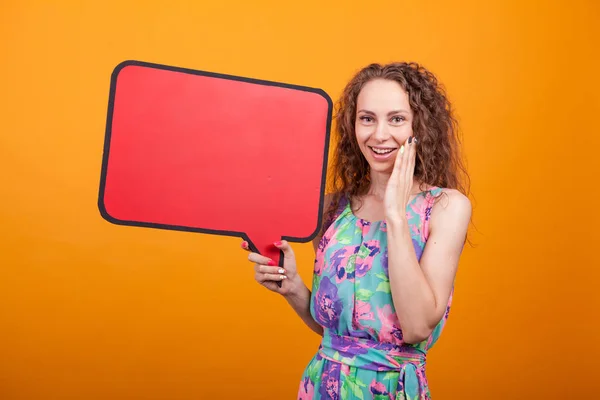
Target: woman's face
x=383, y=122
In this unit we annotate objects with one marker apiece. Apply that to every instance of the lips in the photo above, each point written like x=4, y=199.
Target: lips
x=382, y=153
x=382, y=150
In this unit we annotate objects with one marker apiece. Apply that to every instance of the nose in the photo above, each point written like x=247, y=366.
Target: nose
x=381, y=132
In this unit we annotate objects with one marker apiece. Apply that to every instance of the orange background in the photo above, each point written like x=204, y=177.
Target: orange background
x=90, y=310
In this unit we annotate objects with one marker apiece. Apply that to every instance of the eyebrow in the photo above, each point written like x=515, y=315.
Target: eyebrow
x=390, y=113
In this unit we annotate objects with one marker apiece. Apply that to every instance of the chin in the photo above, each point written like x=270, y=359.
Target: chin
x=381, y=167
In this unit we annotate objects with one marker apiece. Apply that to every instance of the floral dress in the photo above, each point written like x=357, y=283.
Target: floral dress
x=362, y=354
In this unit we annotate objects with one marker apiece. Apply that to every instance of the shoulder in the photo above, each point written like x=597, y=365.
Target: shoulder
x=450, y=207
x=451, y=199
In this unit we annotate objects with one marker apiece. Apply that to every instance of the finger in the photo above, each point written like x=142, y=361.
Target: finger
x=412, y=142
x=260, y=259
x=398, y=161
x=406, y=154
x=410, y=162
x=264, y=269
x=285, y=247
x=413, y=153
x=274, y=277
x=262, y=278
x=245, y=246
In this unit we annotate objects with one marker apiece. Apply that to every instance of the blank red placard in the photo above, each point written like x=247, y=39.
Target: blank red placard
x=213, y=153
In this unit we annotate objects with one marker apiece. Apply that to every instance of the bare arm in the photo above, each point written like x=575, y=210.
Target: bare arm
x=420, y=291
x=300, y=302
x=300, y=299
x=293, y=288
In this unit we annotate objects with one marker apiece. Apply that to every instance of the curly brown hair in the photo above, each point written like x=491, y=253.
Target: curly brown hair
x=438, y=162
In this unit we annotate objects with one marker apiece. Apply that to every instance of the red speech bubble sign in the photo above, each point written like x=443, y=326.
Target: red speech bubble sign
x=213, y=153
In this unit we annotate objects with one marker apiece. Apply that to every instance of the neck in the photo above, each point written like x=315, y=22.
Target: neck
x=379, y=181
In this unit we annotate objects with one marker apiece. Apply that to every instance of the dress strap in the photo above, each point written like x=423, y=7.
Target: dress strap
x=434, y=191
x=430, y=197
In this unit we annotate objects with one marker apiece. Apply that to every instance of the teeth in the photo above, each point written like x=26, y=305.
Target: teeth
x=382, y=151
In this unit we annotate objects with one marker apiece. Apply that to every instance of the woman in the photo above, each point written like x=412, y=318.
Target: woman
x=380, y=297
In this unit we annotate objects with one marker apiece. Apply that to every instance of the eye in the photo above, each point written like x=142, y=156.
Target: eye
x=366, y=118
x=398, y=119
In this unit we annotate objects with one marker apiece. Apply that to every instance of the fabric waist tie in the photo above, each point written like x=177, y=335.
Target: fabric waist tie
x=376, y=356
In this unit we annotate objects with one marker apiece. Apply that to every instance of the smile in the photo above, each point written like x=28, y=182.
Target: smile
x=379, y=150
x=382, y=150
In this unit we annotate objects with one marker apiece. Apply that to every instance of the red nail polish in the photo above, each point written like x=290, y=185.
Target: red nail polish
x=272, y=263
x=277, y=243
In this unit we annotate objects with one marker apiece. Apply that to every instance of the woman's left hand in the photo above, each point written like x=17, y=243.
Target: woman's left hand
x=400, y=185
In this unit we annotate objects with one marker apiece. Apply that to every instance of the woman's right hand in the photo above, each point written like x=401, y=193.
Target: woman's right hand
x=267, y=273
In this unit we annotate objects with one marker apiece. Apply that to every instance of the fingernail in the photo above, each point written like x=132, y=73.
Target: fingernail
x=281, y=270
x=415, y=140
x=271, y=263
x=277, y=244
x=410, y=139
x=283, y=276
x=244, y=244
x=402, y=149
